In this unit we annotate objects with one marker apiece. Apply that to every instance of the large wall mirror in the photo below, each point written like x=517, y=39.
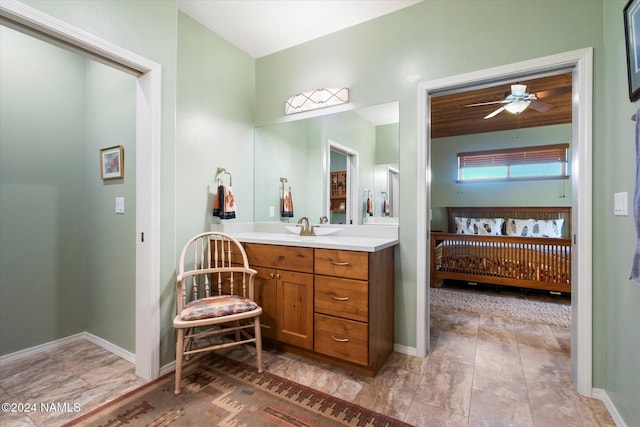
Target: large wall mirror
x=342, y=166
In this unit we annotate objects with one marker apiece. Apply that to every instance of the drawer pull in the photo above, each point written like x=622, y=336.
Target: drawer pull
x=339, y=339
x=342, y=264
x=339, y=298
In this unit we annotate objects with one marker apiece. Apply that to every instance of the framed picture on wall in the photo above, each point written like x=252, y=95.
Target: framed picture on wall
x=632, y=39
x=112, y=162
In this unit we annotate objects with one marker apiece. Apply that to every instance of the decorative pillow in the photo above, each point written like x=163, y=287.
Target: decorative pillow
x=534, y=228
x=480, y=226
x=217, y=306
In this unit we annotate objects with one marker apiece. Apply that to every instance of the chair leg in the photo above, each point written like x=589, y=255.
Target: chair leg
x=179, y=351
x=237, y=324
x=258, y=333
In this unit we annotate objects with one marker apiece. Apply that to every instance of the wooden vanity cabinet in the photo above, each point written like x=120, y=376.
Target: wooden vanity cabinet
x=284, y=290
x=334, y=306
x=353, y=317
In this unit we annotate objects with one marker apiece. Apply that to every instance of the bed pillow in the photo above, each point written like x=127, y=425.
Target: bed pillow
x=534, y=227
x=479, y=226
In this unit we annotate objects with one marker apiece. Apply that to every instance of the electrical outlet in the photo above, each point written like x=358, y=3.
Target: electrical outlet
x=620, y=204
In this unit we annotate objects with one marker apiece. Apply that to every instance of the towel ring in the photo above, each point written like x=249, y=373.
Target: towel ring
x=224, y=172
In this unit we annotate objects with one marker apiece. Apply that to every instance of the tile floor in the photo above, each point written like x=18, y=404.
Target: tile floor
x=482, y=371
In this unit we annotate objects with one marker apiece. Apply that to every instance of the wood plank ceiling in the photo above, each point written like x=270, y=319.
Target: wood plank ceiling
x=450, y=117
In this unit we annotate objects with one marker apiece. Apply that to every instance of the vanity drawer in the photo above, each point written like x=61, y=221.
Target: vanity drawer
x=283, y=257
x=342, y=297
x=347, y=264
x=344, y=339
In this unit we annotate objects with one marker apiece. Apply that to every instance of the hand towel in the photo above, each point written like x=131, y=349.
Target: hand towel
x=224, y=205
x=369, y=206
x=635, y=265
x=385, y=206
x=286, y=205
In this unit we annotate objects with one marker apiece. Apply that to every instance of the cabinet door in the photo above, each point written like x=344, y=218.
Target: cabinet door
x=295, y=308
x=265, y=294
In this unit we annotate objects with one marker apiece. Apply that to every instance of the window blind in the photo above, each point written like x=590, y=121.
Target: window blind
x=514, y=156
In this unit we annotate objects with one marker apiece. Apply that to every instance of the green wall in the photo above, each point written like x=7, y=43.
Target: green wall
x=58, y=222
x=616, y=300
x=42, y=198
x=447, y=191
x=110, y=110
x=214, y=128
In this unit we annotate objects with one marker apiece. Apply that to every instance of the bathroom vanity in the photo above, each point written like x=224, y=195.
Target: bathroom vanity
x=329, y=298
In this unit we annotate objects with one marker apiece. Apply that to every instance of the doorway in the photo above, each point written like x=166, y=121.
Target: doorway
x=580, y=62
x=148, y=124
x=343, y=184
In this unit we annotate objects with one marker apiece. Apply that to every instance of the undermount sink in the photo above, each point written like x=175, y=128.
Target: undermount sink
x=319, y=230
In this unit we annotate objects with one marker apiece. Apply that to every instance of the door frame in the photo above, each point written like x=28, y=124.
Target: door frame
x=352, y=213
x=580, y=62
x=148, y=140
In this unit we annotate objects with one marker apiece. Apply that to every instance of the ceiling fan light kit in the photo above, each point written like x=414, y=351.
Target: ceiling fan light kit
x=517, y=106
x=515, y=102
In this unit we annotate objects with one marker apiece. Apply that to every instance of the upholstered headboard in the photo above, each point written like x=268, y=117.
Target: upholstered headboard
x=518, y=212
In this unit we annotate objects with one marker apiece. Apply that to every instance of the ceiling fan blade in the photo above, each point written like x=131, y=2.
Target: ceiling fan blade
x=495, y=113
x=540, y=106
x=552, y=92
x=504, y=101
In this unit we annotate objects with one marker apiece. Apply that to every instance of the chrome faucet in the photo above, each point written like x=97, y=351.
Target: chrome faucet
x=306, y=230
x=324, y=220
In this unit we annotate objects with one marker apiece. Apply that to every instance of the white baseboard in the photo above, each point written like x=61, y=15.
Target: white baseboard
x=53, y=345
x=598, y=393
x=169, y=367
x=118, y=351
x=411, y=351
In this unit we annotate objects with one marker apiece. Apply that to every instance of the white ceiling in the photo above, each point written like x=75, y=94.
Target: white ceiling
x=262, y=27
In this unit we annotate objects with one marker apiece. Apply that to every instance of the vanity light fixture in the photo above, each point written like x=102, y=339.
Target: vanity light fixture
x=315, y=99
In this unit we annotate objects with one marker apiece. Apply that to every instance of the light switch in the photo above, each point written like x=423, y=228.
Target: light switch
x=620, y=204
x=119, y=205
x=272, y=211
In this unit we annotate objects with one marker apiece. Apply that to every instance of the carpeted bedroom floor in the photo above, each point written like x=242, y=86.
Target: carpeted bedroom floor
x=515, y=304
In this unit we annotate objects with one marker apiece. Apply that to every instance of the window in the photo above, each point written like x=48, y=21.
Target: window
x=524, y=163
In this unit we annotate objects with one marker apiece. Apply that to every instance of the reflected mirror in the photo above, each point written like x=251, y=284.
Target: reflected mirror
x=342, y=166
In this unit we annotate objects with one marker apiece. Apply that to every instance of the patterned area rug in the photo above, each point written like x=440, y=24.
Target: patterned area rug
x=526, y=310
x=218, y=391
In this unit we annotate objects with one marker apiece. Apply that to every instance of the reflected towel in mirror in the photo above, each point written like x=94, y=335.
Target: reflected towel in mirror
x=286, y=205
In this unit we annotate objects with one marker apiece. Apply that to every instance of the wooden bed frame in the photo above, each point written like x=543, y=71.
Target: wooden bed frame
x=529, y=262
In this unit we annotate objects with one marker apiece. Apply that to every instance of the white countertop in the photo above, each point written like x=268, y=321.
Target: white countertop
x=350, y=237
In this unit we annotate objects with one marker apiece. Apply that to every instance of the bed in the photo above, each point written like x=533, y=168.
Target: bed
x=526, y=247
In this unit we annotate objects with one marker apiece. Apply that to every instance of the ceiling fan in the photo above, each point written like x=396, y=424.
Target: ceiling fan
x=518, y=100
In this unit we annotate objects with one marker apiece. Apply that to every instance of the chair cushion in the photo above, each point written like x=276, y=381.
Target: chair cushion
x=207, y=308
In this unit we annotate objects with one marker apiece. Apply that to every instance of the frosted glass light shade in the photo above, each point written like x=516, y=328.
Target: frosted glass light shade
x=517, y=106
x=317, y=98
